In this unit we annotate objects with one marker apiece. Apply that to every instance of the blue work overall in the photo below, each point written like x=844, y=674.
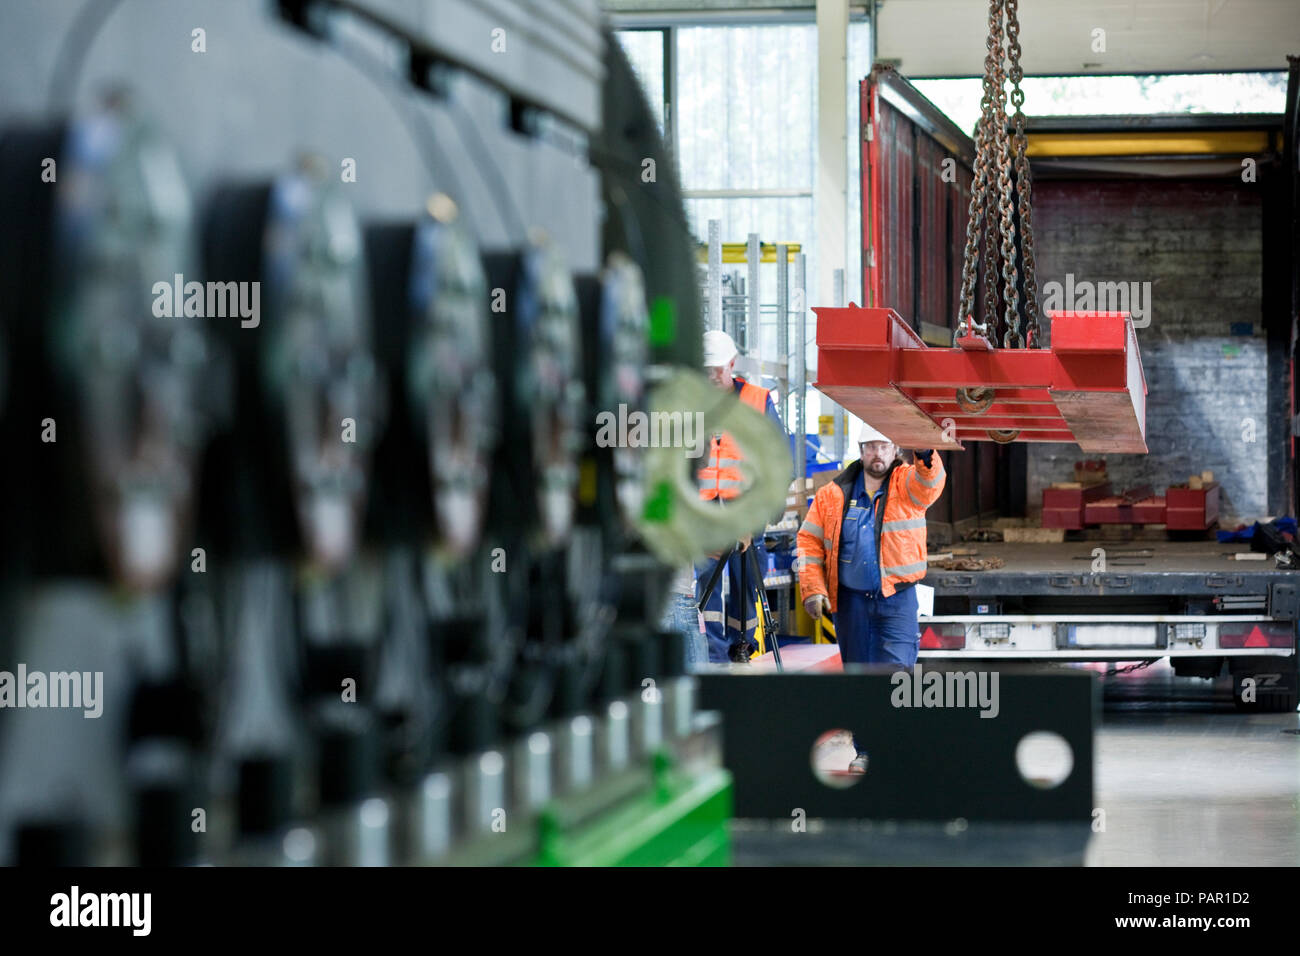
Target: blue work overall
x=871, y=629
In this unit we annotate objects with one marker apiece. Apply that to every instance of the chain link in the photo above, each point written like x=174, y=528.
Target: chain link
x=999, y=183
x=1024, y=187
x=975, y=211
x=1006, y=228
x=975, y=214
x=993, y=197
x=979, y=184
x=991, y=214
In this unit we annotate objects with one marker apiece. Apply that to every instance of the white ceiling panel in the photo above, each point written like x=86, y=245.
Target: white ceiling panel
x=946, y=37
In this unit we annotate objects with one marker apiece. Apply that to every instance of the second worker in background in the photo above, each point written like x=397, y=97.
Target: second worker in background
x=730, y=628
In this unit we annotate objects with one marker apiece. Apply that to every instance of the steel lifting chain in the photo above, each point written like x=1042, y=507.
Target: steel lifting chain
x=970, y=257
x=979, y=184
x=992, y=196
x=1011, y=292
x=1024, y=187
x=991, y=214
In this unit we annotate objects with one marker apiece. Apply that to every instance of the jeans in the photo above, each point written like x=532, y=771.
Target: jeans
x=877, y=630
x=682, y=616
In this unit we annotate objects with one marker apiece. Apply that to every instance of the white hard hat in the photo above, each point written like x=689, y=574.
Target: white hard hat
x=719, y=349
x=866, y=433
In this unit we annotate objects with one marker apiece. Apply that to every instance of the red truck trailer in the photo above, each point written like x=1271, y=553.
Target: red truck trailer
x=1193, y=218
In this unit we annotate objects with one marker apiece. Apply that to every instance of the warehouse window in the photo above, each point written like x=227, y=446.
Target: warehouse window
x=1119, y=95
x=747, y=138
x=746, y=120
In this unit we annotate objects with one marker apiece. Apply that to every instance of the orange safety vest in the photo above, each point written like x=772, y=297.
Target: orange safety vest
x=721, y=477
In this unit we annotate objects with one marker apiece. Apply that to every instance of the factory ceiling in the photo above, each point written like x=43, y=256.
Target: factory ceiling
x=934, y=38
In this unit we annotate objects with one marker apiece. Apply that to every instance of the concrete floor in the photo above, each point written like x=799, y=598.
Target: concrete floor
x=1184, y=780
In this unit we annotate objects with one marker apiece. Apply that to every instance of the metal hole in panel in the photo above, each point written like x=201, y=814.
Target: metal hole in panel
x=1044, y=759
x=831, y=756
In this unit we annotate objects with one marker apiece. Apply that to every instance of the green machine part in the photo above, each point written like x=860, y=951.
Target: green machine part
x=680, y=820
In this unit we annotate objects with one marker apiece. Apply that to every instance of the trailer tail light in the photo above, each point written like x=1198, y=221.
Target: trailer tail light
x=943, y=637
x=1257, y=634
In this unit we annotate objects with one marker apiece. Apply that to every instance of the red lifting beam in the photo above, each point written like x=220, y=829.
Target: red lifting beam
x=1087, y=389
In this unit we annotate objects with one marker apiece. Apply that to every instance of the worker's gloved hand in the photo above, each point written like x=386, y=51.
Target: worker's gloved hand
x=744, y=543
x=926, y=456
x=816, y=605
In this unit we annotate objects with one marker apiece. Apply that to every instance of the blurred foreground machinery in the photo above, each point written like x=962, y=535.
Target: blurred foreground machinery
x=308, y=311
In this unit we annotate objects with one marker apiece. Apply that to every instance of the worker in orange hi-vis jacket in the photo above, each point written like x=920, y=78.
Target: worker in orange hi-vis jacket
x=862, y=548
x=730, y=629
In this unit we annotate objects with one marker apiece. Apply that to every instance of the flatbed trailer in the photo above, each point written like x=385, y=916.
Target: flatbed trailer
x=1188, y=601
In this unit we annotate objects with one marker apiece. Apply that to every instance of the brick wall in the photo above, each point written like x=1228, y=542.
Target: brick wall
x=1199, y=245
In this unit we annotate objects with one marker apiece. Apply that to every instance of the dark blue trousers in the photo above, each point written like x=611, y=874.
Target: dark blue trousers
x=877, y=630
x=726, y=626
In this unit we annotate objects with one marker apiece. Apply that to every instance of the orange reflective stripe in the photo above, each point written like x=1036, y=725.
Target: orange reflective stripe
x=903, y=524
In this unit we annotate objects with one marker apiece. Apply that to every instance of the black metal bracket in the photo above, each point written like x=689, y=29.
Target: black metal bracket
x=925, y=763
x=1284, y=602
